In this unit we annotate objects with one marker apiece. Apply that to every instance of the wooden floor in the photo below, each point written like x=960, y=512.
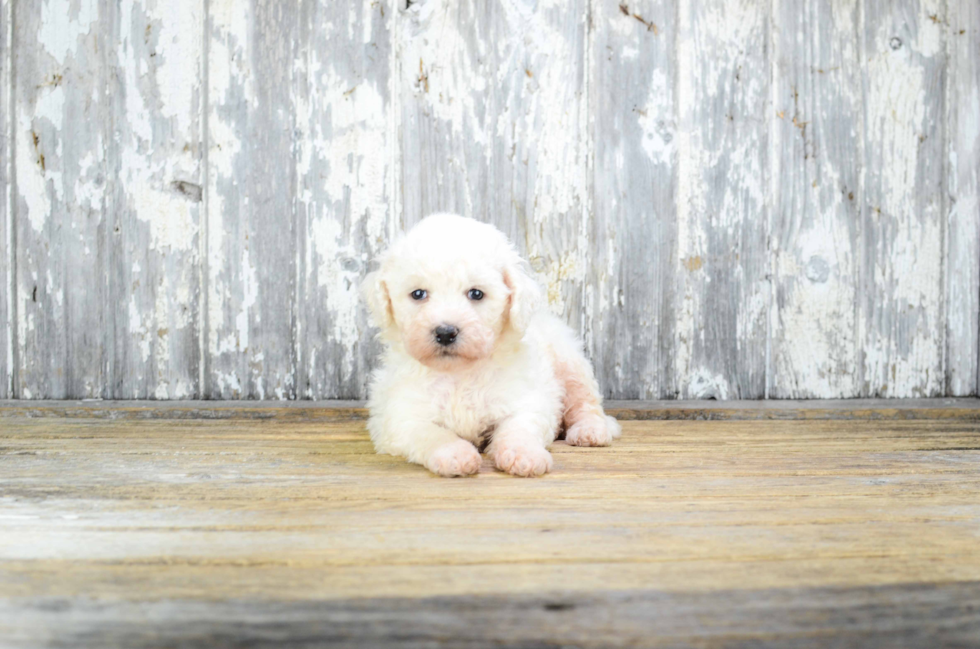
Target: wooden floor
x=121, y=527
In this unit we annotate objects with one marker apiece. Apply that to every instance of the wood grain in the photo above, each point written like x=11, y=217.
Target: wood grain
x=761, y=526
x=631, y=278
x=493, y=124
x=345, y=167
x=722, y=299
x=962, y=29
x=539, y=143
x=446, y=110
x=6, y=193
x=726, y=200
x=332, y=411
x=816, y=187
x=902, y=211
x=155, y=160
x=251, y=218
x=63, y=237
x=859, y=618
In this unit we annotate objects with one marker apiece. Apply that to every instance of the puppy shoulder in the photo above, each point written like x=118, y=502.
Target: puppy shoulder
x=396, y=378
x=548, y=331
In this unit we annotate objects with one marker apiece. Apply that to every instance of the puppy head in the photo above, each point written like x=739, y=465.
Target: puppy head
x=450, y=291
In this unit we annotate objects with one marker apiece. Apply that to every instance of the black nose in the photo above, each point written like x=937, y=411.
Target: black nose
x=446, y=334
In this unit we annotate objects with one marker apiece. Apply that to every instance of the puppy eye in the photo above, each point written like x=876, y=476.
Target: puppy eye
x=419, y=294
x=475, y=294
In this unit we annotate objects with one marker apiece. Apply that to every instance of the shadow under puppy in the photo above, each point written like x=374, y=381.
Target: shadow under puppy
x=472, y=354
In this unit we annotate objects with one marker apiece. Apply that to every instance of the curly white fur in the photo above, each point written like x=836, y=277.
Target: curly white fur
x=515, y=374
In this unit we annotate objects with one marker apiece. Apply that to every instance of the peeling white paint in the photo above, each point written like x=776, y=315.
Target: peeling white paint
x=443, y=71
x=62, y=26
x=180, y=26
x=658, y=133
x=963, y=186
x=32, y=183
x=702, y=384
x=512, y=126
x=903, y=348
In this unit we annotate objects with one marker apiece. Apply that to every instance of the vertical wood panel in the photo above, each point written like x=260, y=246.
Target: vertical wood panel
x=722, y=258
x=626, y=147
x=633, y=238
x=817, y=129
x=494, y=126
x=445, y=83
x=6, y=250
x=251, y=231
x=344, y=155
x=538, y=142
x=155, y=161
x=963, y=183
x=61, y=130
x=902, y=310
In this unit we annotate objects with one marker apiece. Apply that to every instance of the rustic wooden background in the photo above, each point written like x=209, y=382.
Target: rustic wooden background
x=728, y=199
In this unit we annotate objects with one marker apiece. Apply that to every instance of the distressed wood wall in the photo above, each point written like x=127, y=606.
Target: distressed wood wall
x=727, y=199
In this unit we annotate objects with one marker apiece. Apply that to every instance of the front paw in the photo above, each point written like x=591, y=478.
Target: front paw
x=454, y=459
x=593, y=430
x=525, y=460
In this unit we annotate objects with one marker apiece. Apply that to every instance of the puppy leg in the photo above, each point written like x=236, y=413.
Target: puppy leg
x=436, y=448
x=519, y=446
x=586, y=424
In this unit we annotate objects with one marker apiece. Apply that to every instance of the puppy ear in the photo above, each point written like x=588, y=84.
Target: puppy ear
x=375, y=293
x=526, y=297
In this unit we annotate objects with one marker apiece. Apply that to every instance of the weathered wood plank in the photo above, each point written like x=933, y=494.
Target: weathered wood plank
x=6, y=192
x=251, y=220
x=722, y=260
x=623, y=145
x=859, y=618
x=62, y=115
x=963, y=185
x=493, y=125
x=345, y=155
x=903, y=315
x=155, y=162
x=630, y=291
x=846, y=409
x=817, y=130
x=209, y=526
x=538, y=144
x=444, y=85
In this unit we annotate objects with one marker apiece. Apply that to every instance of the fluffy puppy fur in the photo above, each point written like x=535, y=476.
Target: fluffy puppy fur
x=473, y=358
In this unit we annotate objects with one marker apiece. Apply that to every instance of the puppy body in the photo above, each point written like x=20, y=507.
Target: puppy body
x=512, y=373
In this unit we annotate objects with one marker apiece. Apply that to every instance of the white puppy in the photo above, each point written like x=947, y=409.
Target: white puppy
x=473, y=357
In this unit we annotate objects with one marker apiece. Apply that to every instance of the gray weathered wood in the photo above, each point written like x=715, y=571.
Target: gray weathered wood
x=154, y=222
x=868, y=617
x=538, y=142
x=630, y=293
x=959, y=409
x=445, y=93
x=963, y=184
x=251, y=221
x=721, y=263
x=817, y=128
x=902, y=316
x=62, y=131
x=493, y=125
x=729, y=200
x=345, y=156
x=6, y=250
x=295, y=533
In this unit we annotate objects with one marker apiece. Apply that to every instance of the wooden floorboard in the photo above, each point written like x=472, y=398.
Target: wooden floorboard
x=967, y=408
x=122, y=530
